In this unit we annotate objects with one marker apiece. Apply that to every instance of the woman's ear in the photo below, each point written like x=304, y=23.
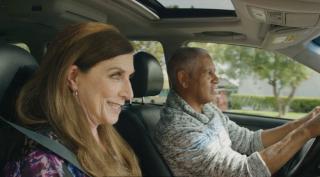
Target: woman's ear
x=72, y=77
x=183, y=79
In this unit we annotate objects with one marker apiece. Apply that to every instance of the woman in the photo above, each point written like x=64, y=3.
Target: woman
x=77, y=94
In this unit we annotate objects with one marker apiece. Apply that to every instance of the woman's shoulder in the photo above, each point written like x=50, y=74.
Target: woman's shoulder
x=36, y=160
x=39, y=161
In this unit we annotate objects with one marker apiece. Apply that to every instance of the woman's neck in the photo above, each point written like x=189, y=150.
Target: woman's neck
x=95, y=133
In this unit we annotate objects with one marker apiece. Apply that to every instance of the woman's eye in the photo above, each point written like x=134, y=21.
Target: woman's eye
x=116, y=76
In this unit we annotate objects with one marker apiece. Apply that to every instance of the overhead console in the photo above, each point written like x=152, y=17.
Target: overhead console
x=284, y=18
x=289, y=20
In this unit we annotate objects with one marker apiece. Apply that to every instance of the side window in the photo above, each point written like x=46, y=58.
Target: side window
x=255, y=81
x=154, y=48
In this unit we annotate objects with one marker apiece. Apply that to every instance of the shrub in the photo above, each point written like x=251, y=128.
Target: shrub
x=253, y=102
x=301, y=104
x=298, y=104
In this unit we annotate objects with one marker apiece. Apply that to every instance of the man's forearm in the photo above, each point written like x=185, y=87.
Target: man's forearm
x=273, y=135
x=276, y=155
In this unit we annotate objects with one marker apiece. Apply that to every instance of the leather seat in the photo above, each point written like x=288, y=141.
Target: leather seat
x=16, y=67
x=137, y=121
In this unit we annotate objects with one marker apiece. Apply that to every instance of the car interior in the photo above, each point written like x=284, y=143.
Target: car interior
x=289, y=27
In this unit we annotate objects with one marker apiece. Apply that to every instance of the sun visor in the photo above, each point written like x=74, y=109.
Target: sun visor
x=282, y=37
x=284, y=18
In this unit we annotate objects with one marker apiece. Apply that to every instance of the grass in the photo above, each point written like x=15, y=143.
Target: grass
x=289, y=115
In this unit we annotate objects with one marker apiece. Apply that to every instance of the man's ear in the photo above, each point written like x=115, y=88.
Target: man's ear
x=72, y=77
x=183, y=79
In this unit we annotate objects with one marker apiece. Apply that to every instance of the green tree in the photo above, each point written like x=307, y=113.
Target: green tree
x=281, y=72
x=152, y=47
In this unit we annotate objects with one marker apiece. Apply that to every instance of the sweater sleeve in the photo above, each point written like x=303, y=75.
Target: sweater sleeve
x=192, y=150
x=244, y=140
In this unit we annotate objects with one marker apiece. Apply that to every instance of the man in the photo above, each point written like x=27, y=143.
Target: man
x=197, y=139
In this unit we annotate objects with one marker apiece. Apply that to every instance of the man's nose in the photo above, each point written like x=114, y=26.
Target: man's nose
x=215, y=78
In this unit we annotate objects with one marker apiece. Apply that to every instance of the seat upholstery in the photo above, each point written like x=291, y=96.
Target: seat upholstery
x=148, y=77
x=137, y=121
x=147, y=81
x=16, y=67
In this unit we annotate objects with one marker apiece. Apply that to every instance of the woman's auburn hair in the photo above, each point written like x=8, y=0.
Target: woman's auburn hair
x=47, y=99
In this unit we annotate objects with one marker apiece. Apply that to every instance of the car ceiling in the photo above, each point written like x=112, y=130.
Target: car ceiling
x=286, y=26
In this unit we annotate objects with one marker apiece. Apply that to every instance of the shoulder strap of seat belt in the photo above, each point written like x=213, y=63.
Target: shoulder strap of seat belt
x=50, y=144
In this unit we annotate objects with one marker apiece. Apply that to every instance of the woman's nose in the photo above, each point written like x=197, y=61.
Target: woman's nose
x=127, y=91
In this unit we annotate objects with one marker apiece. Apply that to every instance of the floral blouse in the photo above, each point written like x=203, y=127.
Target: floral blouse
x=37, y=161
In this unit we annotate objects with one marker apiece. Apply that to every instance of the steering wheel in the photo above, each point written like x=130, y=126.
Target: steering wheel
x=306, y=156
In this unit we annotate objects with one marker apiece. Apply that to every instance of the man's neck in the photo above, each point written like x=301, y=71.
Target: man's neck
x=192, y=102
x=196, y=107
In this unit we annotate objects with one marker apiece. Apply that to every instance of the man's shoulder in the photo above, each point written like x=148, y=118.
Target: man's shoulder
x=177, y=117
x=174, y=121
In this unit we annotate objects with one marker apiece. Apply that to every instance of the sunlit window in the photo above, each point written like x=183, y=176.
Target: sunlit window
x=194, y=4
x=258, y=82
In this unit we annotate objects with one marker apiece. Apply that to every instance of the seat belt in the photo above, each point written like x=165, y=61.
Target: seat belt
x=50, y=144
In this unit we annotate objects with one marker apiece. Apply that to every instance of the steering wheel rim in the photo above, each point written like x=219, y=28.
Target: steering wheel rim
x=307, y=154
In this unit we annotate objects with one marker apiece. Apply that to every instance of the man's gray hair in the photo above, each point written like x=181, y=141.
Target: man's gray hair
x=183, y=59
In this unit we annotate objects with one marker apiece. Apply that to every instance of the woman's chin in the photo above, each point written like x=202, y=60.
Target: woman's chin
x=111, y=119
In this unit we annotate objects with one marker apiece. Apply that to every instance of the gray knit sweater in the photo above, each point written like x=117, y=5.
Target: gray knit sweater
x=207, y=144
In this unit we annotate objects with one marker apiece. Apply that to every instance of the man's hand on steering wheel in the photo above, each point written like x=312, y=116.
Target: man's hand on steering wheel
x=312, y=125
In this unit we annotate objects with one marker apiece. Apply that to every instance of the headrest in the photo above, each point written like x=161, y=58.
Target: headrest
x=148, y=76
x=16, y=66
